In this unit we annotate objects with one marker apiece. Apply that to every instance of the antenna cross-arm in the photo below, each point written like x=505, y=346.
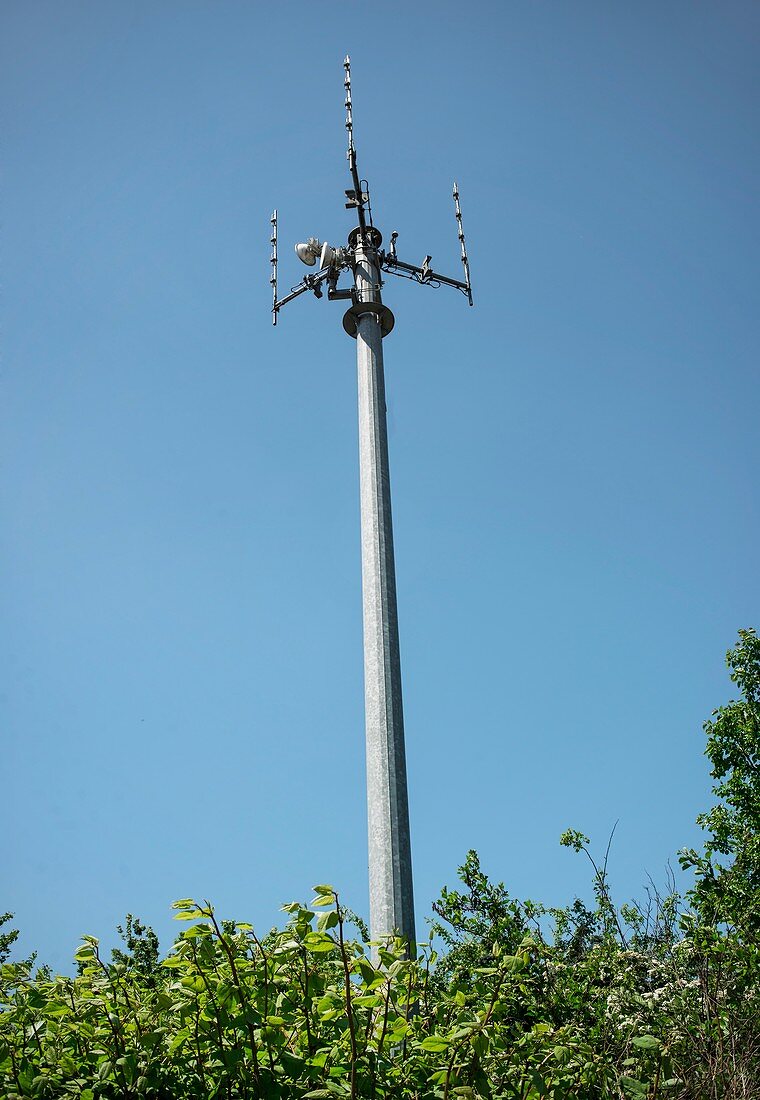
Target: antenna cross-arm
x=425, y=274
x=309, y=282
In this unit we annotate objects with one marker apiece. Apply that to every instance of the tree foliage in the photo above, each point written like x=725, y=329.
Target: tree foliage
x=728, y=871
x=508, y=999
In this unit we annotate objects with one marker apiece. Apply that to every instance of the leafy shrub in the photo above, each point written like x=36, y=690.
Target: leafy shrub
x=638, y=1001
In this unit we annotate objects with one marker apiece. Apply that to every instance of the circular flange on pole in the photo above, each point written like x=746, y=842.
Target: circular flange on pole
x=384, y=316
x=374, y=237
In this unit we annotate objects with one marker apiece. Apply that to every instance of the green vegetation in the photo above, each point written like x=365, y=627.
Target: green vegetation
x=660, y=999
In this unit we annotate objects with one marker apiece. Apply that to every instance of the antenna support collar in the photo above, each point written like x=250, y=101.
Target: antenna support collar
x=384, y=316
x=374, y=236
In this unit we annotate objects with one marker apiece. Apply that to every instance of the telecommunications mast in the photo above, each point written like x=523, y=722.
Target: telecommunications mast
x=369, y=321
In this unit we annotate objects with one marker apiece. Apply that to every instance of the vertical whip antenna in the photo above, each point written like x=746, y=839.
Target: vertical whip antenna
x=460, y=234
x=349, y=114
x=355, y=197
x=273, y=276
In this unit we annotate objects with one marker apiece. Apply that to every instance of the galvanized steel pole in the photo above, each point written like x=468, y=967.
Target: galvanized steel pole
x=368, y=321
x=390, y=857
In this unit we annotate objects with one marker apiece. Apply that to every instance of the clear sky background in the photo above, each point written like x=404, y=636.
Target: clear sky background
x=574, y=461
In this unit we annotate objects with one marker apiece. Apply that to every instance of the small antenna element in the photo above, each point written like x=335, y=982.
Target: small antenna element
x=273, y=276
x=460, y=234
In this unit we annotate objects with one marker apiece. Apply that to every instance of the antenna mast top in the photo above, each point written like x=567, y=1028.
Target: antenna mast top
x=356, y=197
x=332, y=261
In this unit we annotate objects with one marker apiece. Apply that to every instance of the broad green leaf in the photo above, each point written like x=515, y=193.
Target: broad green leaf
x=173, y=961
x=178, y=1041
x=327, y=920
x=647, y=1042
x=479, y=1044
x=195, y=931
x=321, y=947
x=463, y=1032
x=434, y=1043
x=367, y=971
x=292, y=1064
x=338, y=1087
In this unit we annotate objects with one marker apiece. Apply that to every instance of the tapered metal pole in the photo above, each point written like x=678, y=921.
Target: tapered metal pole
x=390, y=857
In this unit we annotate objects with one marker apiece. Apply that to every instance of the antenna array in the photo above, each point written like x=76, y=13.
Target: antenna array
x=357, y=198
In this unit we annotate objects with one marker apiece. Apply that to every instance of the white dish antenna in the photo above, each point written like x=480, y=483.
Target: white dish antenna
x=326, y=256
x=308, y=251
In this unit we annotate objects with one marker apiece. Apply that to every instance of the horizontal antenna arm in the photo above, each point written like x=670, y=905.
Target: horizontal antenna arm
x=421, y=274
x=309, y=282
x=300, y=289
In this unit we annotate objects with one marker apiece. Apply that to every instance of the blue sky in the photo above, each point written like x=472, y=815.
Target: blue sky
x=574, y=461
